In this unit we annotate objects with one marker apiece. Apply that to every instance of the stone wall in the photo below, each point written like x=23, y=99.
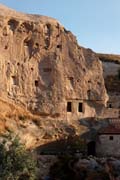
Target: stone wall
x=110, y=113
x=108, y=145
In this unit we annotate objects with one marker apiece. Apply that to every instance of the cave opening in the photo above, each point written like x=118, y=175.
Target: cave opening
x=36, y=83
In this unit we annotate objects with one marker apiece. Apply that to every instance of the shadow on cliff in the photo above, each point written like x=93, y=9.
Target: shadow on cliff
x=73, y=143
x=93, y=125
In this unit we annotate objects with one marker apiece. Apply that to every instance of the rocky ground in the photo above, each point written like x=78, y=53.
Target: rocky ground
x=77, y=168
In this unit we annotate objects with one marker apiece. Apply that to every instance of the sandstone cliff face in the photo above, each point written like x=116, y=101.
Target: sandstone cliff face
x=42, y=67
x=111, y=68
x=47, y=81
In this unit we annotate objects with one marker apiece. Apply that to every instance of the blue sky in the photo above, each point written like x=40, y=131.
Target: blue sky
x=96, y=23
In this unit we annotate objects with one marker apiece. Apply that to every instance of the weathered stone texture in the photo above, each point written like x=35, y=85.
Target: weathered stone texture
x=111, y=75
x=42, y=67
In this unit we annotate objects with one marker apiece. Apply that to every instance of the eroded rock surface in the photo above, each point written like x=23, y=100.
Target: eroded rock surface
x=111, y=68
x=45, y=72
x=42, y=66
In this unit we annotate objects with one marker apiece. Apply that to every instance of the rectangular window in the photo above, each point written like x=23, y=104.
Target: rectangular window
x=111, y=138
x=14, y=80
x=36, y=83
x=80, y=107
x=69, y=106
x=110, y=105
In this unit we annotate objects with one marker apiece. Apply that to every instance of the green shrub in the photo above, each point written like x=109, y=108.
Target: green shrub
x=16, y=163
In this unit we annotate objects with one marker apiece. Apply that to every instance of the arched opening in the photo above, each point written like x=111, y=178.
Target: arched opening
x=91, y=148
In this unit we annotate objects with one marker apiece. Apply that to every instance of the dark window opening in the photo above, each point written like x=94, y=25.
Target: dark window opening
x=6, y=47
x=14, y=80
x=80, y=107
x=59, y=46
x=71, y=79
x=111, y=138
x=69, y=106
x=110, y=105
x=18, y=64
x=36, y=83
x=84, y=70
x=37, y=45
x=32, y=69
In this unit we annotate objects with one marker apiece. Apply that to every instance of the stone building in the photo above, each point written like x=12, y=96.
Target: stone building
x=108, y=143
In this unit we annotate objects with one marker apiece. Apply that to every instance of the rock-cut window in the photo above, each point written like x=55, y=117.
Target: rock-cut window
x=69, y=106
x=80, y=107
x=14, y=80
x=111, y=138
x=36, y=83
x=110, y=105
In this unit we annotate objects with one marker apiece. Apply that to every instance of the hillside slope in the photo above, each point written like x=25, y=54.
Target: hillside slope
x=46, y=73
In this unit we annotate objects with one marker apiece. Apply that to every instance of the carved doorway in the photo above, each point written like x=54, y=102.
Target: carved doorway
x=91, y=148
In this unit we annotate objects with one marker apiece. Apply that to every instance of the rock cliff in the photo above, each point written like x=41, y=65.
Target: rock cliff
x=111, y=69
x=45, y=72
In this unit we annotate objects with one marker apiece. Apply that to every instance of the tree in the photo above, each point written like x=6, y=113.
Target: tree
x=16, y=163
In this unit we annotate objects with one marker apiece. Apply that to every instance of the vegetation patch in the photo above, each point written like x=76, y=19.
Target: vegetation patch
x=16, y=163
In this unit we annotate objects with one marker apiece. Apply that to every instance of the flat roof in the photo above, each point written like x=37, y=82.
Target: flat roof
x=111, y=129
